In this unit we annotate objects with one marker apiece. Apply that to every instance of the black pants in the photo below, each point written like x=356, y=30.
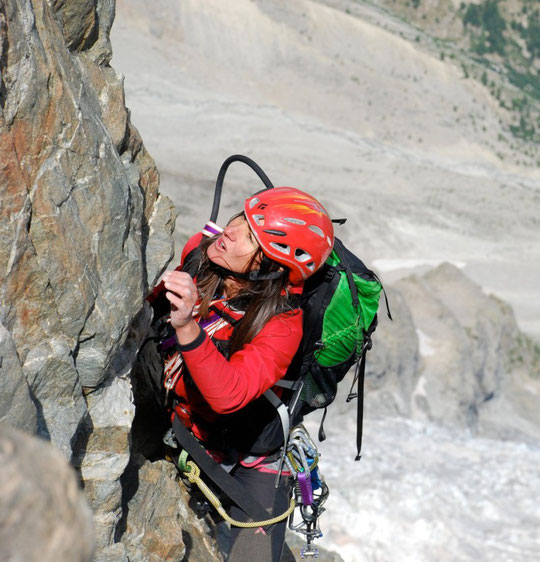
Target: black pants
x=254, y=544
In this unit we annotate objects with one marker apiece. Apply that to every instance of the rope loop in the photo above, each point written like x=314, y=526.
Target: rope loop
x=193, y=474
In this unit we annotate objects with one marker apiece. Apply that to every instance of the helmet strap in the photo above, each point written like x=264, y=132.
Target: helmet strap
x=254, y=275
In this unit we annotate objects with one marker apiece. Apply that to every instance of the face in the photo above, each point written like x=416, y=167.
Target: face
x=235, y=248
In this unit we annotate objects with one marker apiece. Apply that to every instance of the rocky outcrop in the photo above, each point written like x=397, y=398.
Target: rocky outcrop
x=43, y=513
x=455, y=355
x=393, y=365
x=159, y=524
x=84, y=233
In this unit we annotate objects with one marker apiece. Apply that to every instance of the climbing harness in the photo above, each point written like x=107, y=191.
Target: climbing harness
x=310, y=491
x=216, y=473
x=193, y=474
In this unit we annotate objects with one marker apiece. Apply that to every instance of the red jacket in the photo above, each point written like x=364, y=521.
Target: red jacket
x=224, y=386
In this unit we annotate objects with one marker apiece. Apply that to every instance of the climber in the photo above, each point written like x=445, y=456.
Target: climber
x=234, y=329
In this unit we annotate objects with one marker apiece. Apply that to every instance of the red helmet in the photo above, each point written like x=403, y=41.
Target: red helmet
x=292, y=227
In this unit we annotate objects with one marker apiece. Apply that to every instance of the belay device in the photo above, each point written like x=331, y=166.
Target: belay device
x=340, y=303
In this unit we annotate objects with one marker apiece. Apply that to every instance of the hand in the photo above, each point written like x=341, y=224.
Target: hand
x=182, y=294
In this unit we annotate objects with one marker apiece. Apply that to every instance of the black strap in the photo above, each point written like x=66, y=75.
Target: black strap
x=289, y=385
x=389, y=314
x=226, y=316
x=359, y=377
x=220, y=477
x=192, y=261
x=338, y=247
x=360, y=407
x=221, y=176
x=283, y=414
x=322, y=434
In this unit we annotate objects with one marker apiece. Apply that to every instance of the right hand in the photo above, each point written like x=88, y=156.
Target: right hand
x=182, y=294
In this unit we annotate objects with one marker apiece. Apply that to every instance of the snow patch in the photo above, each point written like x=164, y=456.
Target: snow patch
x=425, y=344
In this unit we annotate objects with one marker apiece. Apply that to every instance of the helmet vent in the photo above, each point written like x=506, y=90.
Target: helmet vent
x=275, y=232
x=302, y=256
x=253, y=202
x=311, y=266
x=295, y=221
x=316, y=230
x=283, y=248
x=259, y=219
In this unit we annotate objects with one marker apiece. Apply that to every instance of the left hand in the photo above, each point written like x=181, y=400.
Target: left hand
x=182, y=294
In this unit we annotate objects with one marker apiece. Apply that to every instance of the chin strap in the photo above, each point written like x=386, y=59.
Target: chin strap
x=255, y=275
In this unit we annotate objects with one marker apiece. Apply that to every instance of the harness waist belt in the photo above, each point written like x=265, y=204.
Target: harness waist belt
x=235, y=491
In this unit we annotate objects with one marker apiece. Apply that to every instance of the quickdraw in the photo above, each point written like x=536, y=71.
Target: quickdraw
x=310, y=491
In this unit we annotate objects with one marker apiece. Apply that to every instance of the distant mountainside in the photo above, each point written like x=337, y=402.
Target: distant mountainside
x=496, y=42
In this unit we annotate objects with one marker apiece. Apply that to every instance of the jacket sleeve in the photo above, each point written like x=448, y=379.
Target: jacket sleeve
x=230, y=385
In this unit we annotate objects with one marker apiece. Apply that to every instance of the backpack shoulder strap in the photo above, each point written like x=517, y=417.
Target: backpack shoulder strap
x=191, y=261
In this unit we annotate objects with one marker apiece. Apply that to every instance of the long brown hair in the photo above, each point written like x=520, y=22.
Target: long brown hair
x=260, y=299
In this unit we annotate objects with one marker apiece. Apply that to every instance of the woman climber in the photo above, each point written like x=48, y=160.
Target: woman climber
x=234, y=330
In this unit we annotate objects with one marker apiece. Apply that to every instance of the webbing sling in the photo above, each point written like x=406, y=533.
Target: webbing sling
x=220, y=477
x=359, y=376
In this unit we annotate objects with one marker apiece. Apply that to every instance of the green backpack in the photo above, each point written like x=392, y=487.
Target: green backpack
x=340, y=303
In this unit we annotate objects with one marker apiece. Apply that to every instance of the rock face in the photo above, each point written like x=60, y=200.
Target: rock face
x=80, y=207
x=159, y=524
x=84, y=233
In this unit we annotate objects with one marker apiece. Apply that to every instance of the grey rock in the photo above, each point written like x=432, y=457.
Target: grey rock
x=15, y=402
x=84, y=234
x=79, y=22
x=60, y=405
x=392, y=368
x=113, y=553
x=86, y=25
x=445, y=389
x=43, y=513
x=69, y=305
x=104, y=453
x=159, y=525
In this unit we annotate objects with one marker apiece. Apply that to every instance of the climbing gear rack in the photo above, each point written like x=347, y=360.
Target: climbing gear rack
x=310, y=491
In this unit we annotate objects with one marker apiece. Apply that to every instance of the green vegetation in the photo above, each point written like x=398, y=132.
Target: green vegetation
x=531, y=33
x=491, y=25
x=524, y=130
x=493, y=31
x=525, y=353
x=496, y=42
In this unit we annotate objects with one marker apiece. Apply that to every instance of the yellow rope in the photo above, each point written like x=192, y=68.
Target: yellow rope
x=194, y=474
